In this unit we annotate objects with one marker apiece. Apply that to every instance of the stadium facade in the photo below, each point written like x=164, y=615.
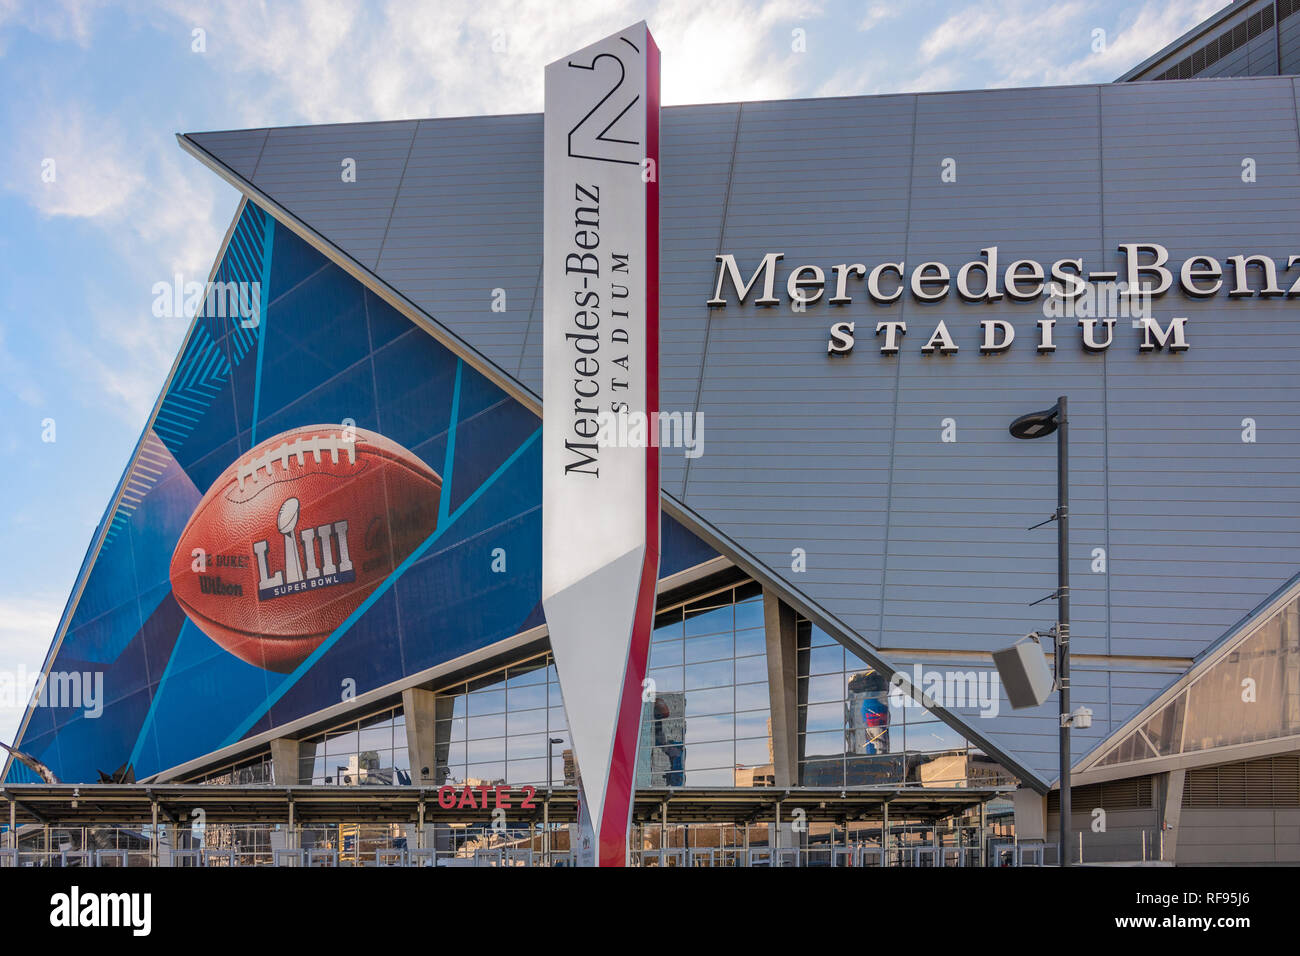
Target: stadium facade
x=858, y=295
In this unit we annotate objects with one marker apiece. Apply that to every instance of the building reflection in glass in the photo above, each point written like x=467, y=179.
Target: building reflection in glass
x=709, y=721
x=852, y=734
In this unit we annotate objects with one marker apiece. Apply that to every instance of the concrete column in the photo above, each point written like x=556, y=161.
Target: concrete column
x=422, y=746
x=1171, y=814
x=284, y=761
x=782, y=688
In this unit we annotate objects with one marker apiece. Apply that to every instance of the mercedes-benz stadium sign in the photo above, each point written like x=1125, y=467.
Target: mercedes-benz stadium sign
x=600, y=502
x=1096, y=298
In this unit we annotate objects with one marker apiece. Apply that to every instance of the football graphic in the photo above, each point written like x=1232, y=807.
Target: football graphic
x=296, y=534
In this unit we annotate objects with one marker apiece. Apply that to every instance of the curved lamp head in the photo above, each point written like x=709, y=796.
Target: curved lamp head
x=1036, y=424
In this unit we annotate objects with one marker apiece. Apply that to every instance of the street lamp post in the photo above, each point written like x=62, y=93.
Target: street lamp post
x=546, y=804
x=1040, y=425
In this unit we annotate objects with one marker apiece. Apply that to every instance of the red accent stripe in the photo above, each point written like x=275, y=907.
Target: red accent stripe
x=617, y=816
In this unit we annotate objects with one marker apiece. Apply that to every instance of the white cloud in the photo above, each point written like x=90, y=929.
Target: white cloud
x=877, y=13
x=163, y=212
x=323, y=61
x=1003, y=43
x=1022, y=44
x=68, y=165
x=61, y=20
x=104, y=172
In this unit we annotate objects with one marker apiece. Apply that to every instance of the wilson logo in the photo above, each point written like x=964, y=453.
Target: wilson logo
x=212, y=584
x=312, y=558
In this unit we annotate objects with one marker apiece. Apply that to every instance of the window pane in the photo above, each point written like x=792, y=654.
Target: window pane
x=455, y=753
x=710, y=756
x=829, y=687
x=719, y=701
x=667, y=679
x=818, y=637
x=934, y=735
x=527, y=697
x=749, y=613
x=526, y=722
x=715, y=674
x=751, y=670
x=668, y=626
x=450, y=729
x=713, y=621
x=713, y=648
x=666, y=654
x=754, y=751
x=750, y=642
x=705, y=729
x=752, y=696
x=487, y=702
x=824, y=717
x=752, y=723
x=376, y=738
x=555, y=721
x=480, y=727
x=826, y=660
x=854, y=663
x=526, y=746
x=481, y=750
x=823, y=744
x=345, y=743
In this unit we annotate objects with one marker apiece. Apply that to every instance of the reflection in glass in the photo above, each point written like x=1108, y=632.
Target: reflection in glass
x=515, y=711
x=708, y=724
x=852, y=735
x=366, y=752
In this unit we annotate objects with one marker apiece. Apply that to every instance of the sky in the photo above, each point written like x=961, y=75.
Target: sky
x=98, y=202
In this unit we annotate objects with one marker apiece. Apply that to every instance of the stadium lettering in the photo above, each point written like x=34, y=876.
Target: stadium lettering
x=1093, y=300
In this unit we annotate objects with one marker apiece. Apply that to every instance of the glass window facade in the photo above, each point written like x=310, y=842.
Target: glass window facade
x=709, y=723
x=495, y=729
x=852, y=734
x=252, y=770
x=370, y=751
x=706, y=719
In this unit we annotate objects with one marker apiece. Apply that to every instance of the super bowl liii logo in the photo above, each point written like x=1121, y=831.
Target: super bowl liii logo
x=301, y=571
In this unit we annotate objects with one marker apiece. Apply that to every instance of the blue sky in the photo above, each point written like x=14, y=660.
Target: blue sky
x=101, y=89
